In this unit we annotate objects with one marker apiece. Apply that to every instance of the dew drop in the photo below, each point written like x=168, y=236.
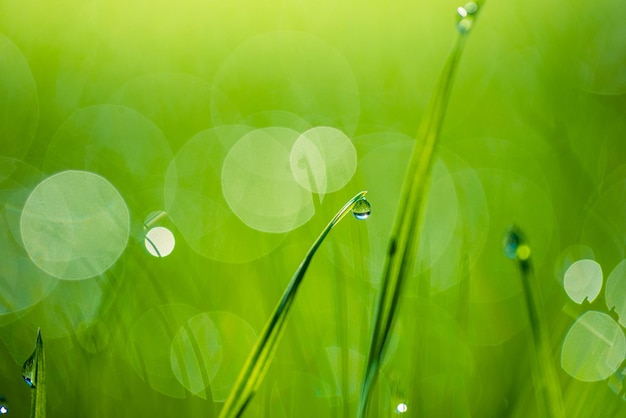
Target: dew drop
x=511, y=244
x=362, y=209
x=466, y=17
x=471, y=8
x=515, y=247
x=28, y=371
x=4, y=409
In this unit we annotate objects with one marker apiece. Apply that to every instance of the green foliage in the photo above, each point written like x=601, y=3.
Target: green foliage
x=156, y=99
x=545, y=378
x=406, y=233
x=264, y=350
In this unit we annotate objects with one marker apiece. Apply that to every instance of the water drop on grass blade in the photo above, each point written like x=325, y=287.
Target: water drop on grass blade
x=28, y=371
x=466, y=17
x=511, y=244
x=362, y=209
x=515, y=247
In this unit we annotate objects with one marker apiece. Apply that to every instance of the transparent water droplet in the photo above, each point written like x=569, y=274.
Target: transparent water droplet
x=4, y=409
x=466, y=17
x=511, y=244
x=471, y=8
x=362, y=209
x=28, y=370
x=515, y=247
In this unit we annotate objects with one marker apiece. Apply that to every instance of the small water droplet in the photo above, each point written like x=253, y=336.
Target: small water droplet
x=4, y=409
x=466, y=17
x=362, y=209
x=471, y=8
x=515, y=247
x=511, y=244
x=402, y=408
x=29, y=369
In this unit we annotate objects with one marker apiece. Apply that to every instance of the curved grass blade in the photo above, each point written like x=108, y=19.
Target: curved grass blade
x=408, y=223
x=545, y=379
x=34, y=376
x=262, y=354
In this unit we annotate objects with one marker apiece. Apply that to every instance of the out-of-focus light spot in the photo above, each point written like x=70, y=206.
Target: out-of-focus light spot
x=323, y=160
x=149, y=345
x=331, y=96
x=402, y=408
x=514, y=246
x=98, y=137
x=568, y=257
x=75, y=225
x=211, y=372
x=193, y=369
x=616, y=382
x=523, y=252
x=196, y=205
x=168, y=98
x=23, y=283
x=4, y=410
x=593, y=348
x=462, y=12
x=160, y=241
x=258, y=184
x=583, y=279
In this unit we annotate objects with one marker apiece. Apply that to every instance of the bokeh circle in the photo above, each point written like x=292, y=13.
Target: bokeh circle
x=75, y=225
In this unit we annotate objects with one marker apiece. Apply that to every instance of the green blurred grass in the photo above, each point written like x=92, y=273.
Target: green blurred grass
x=535, y=120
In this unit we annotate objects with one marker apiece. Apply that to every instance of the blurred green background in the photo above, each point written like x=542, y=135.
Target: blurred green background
x=241, y=127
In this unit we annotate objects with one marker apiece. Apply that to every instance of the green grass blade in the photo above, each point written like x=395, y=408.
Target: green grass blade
x=408, y=222
x=262, y=354
x=545, y=379
x=34, y=375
